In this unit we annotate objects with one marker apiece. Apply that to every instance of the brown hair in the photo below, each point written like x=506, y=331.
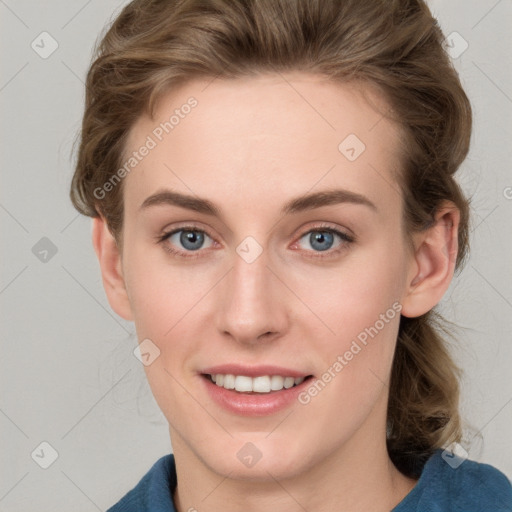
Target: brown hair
x=394, y=45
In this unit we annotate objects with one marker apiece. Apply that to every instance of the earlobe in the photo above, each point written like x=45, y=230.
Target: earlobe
x=433, y=263
x=109, y=258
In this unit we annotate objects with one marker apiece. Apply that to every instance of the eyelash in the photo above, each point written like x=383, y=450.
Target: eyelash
x=346, y=239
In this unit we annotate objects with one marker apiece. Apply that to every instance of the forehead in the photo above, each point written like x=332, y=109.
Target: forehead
x=264, y=136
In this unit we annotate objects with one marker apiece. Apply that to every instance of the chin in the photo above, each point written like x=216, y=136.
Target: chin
x=259, y=460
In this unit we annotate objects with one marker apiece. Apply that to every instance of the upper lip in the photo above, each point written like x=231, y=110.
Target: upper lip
x=253, y=371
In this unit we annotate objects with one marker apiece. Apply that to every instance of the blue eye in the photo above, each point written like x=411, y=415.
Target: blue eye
x=322, y=240
x=186, y=238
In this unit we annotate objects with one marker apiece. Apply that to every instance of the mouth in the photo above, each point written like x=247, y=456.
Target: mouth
x=257, y=385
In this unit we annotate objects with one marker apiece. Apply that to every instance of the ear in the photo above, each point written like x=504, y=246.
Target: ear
x=433, y=263
x=110, y=261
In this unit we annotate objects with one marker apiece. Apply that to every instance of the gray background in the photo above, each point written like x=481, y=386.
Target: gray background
x=68, y=374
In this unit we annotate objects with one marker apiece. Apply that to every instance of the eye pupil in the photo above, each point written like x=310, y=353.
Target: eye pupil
x=320, y=237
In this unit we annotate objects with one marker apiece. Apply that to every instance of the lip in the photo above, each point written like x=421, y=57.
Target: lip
x=257, y=404
x=253, y=371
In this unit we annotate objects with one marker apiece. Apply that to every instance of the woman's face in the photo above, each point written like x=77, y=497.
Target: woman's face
x=290, y=262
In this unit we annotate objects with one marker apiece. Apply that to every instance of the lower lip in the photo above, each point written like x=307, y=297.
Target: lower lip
x=255, y=404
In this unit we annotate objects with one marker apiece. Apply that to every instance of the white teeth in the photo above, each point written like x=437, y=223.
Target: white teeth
x=229, y=381
x=243, y=383
x=262, y=384
x=276, y=382
x=289, y=382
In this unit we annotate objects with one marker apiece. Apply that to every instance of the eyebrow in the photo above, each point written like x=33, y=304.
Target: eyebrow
x=298, y=204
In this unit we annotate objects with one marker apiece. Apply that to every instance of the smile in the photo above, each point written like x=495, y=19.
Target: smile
x=259, y=384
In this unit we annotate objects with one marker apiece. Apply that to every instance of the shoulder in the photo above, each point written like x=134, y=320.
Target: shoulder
x=154, y=490
x=449, y=482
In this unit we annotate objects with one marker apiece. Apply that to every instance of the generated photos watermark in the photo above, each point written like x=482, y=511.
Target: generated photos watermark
x=151, y=142
x=344, y=359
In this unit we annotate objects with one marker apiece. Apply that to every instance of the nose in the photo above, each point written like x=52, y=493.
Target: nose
x=251, y=303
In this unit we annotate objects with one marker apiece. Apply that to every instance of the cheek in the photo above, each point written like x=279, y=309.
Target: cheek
x=161, y=293
x=353, y=296
x=359, y=303
x=166, y=303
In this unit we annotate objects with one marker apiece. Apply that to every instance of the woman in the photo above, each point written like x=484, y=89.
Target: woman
x=274, y=203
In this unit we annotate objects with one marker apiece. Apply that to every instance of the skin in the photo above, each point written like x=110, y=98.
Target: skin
x=249, y=146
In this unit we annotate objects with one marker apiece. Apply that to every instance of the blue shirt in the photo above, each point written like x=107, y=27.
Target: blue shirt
x=442, y=487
